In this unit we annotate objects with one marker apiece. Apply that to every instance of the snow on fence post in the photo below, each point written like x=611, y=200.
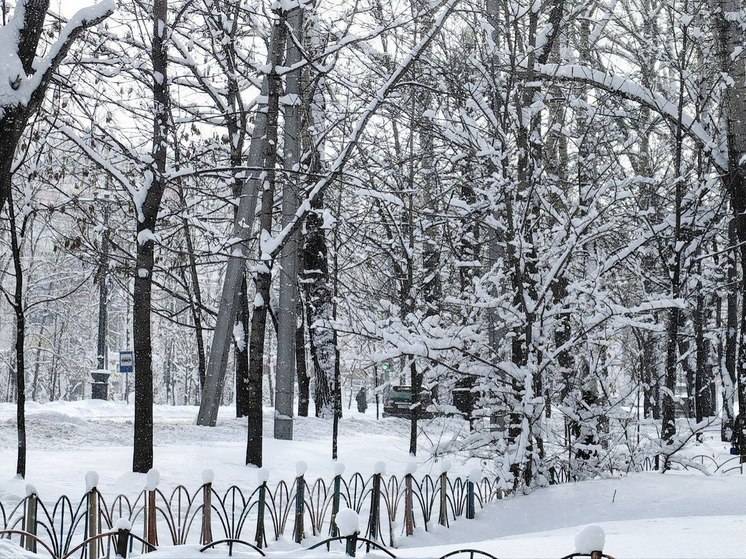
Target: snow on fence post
x=338, y=471
x=349, y=528
x=300, y=498
x=408, y=504
x=151, y=529
x=29, y=519
x=92, y=513
x=590, y=541
x=208, y=476
x=443, y=501
x=260, y=537
x=374, y=529
x=123, y=537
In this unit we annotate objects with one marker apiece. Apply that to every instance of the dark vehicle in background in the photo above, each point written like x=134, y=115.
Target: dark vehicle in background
x=398, y=402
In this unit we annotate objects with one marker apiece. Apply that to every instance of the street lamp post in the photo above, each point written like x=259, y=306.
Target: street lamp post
x=100, y=385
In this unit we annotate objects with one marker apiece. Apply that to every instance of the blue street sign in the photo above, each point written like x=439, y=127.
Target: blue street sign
x=126, y=362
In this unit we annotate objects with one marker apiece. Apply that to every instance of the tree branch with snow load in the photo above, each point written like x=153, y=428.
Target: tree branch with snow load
x=24, y=77
x=632, y=91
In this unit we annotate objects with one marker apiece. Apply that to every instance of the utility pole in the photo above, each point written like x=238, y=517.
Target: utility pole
x=100, y=385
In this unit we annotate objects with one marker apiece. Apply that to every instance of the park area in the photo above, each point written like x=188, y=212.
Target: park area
x=643, y=514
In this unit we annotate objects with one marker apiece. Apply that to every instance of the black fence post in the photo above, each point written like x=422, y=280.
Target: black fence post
x=443, y=501
x=123, y=537
x=408, y=501
x=206, y=536
x=29, y=524
x=92, y=513
x=338, y=470
x=351, y=545
x=300, y=498
x=470, y=500
x=374, y=529
x=151, y=527
x=260, y=537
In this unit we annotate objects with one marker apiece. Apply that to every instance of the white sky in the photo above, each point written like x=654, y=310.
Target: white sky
x=69, y=7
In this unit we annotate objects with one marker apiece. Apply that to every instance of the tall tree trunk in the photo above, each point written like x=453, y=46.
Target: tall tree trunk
x=193, y=286
x=732, y=58
x=668, y=427
x=37, y=359
x=288, y=303
x=241, y=351
x=731, y=321
x=20, y=315
x=142, y=459
x=702, y=404
x=268, y=143
x=314, y=266
x=259, y=148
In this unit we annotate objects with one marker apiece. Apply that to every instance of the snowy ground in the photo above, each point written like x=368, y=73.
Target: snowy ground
x=96, y=435
x=648, y=515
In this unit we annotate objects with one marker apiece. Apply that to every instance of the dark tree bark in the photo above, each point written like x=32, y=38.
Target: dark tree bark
x=731, y=322
x=319, y=307
x=264, y=276
x=300, y=363
x=702, y=404
x=20, y=314
x=241, y=351
x=142, y=459
x=732, y=59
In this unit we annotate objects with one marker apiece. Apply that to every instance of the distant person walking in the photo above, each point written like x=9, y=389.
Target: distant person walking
x=362, y=400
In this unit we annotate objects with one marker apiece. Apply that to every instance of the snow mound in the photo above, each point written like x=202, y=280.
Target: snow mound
x=590, y=539
x=347, y=522
x=208, y=476
x=301, y=467
x=91, y=480
x=153, y=477
x=410, y=468
x=339, y=468
x=262, y=475
x=10, y=549
x=475, y=475
x=56, y=418
x=123, y=524
x=379, y=468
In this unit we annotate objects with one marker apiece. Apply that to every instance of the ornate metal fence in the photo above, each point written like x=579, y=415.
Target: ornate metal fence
x=390, y=506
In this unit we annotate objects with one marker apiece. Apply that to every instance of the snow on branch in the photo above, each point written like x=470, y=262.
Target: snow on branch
x=29, y=90
x=271, y=246
x=628, y=89
x=104, y=164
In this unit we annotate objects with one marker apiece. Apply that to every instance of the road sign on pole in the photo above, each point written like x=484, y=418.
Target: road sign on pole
x=126, y=362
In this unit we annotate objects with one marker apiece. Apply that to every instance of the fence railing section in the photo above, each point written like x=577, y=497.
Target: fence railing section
x=389, y=507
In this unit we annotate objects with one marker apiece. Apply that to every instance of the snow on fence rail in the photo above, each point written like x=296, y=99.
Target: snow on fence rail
x=390, y=505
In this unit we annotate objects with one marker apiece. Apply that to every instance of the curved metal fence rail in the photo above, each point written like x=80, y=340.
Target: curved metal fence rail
x=388, y=507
